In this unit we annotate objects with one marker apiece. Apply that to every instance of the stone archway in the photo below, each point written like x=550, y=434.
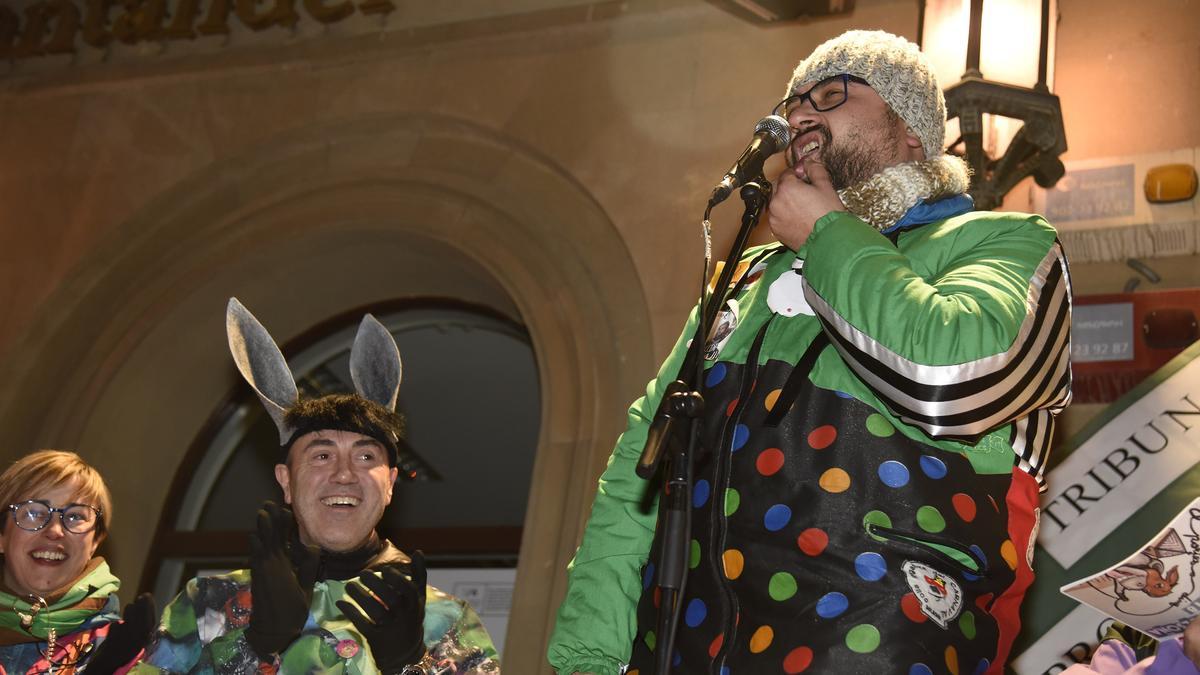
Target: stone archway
x=127, y=358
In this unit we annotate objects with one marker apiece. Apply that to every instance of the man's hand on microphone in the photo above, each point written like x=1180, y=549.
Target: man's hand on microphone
x=796, y=205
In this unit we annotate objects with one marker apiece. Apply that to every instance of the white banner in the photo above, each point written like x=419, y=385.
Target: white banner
x=1120, y=467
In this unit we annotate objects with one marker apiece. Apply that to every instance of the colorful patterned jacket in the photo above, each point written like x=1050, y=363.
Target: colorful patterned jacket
x=955, y=332
x=202, y=631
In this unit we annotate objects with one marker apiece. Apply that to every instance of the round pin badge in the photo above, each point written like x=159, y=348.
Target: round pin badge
x=346, y=649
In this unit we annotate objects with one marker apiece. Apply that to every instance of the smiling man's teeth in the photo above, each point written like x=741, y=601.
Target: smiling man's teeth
x=49, y=555
x=809, y=147
x=340, y=501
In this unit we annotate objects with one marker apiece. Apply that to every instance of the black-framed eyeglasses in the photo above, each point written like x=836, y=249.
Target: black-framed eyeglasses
x=35, y=514
x=824, y=96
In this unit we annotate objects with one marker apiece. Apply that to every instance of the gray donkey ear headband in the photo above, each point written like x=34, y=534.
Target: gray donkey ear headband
x=374, y=368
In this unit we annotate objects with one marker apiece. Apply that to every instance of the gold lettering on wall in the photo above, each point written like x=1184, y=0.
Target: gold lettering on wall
x=50, y=28
x=329, y=14
x=141, y=20
x=55, y=26
x=95, y=23
x=282, y=14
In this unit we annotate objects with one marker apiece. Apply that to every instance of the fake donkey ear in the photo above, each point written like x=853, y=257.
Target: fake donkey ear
x=375, y=363
x=261, y=364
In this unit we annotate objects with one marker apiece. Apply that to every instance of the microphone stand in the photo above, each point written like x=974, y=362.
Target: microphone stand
x=682, y=400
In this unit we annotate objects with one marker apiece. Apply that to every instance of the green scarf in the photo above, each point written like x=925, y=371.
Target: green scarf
x=83, y=600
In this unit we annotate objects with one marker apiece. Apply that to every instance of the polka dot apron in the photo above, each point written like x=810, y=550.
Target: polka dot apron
x=824, y=541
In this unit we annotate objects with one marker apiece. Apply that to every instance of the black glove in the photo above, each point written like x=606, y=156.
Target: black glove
x=126, y=639
x=280, y=592
x=395, y=630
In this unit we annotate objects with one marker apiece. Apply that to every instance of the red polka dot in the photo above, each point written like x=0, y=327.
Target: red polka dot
x=716, y=646
x=813, y=541
x=798, y=660
x=657, y=595
x=984, y=600
x=821, y=437
x=912, y=608
x=769, y=461
x=729, y=408
x=964, y=506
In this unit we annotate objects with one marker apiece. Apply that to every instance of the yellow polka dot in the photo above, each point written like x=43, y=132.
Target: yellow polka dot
x=835, y=480
x=632, y=672
x=771, y=399
x=761, y=639
x=952, y=660
x=1009, y=553
x=734, y=562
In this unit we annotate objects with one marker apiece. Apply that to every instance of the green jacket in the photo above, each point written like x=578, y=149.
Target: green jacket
x=958, y=333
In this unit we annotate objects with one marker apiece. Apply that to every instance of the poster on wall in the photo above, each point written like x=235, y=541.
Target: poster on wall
x=1119, y=481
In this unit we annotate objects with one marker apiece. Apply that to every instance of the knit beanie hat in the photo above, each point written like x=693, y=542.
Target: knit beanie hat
x=897, y=71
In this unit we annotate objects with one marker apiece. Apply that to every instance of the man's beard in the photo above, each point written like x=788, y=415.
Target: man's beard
x=859, y=156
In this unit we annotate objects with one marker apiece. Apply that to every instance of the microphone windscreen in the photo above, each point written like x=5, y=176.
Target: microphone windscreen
x=778, y=128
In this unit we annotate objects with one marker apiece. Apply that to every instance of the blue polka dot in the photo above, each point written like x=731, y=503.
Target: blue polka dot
x=741, y=434
x=831, y=605
x=843, y=394
x=919, y=669
x=715, y=375
x=676, y=659
x=696, y=611
x=777, y=517
x=933, y=467
x=982, y=667
x=980, y=557
x=724, y=670
x=700, y=493
x=893, y=474
x=648, y=576
x=974, y=548
x=870, y=566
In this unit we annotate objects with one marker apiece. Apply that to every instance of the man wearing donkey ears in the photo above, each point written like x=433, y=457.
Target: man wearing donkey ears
x=324, y=593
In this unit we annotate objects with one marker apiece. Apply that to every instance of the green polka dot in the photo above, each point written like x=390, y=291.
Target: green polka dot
x=732, y=501
x=877, y=518
x=650, y=640
x=782, y=586
x=930, y=519
x=966, y=623
x=863, y=638
x=879, y=426
x=694, y=558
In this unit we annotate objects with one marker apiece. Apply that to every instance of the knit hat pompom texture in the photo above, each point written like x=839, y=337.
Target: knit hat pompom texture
x=897, y=71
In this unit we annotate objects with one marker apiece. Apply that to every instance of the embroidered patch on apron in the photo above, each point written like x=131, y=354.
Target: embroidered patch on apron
x=727, y=321
x=1037, y=523
x=785, y=296
x=940, y=597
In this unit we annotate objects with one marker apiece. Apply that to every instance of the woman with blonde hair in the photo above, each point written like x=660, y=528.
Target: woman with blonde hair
x=58, y=602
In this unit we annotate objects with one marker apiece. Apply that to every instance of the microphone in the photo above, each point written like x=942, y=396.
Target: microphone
x=771, y=134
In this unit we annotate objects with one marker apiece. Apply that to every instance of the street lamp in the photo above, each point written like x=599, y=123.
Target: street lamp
x=1009, y=126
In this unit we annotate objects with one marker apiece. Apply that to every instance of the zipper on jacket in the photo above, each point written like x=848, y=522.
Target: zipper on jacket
x=719, y=522
x=947, y=550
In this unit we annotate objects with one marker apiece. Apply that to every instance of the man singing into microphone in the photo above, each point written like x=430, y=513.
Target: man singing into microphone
x=876, y=422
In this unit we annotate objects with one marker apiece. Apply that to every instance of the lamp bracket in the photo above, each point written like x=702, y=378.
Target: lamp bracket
x=1034, y=150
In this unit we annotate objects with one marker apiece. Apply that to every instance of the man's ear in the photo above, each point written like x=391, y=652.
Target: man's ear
x=284, y=478
x=913, y=142
x=392, y=474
